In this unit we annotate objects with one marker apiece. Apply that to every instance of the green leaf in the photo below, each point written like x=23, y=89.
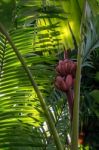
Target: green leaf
x=95, y=95
x=97, y=76
x=76, y=15
x=7, y=8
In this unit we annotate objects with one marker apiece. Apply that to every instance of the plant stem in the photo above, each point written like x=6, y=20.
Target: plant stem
x=47, y=112
x=75, y=121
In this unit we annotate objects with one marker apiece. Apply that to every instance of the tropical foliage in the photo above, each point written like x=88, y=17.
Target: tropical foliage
x=41, y=30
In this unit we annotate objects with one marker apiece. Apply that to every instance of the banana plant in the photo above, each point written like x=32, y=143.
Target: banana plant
x=31, y=42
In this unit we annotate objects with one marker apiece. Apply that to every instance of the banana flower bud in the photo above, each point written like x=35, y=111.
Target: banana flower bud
x=66, y=71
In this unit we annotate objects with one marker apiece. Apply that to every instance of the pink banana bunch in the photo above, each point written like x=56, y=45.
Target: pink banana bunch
x=66, y=71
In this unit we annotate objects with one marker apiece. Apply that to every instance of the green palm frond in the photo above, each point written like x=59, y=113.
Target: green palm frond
x=16, y=90
x=38, y=47
x=91, y=35
x=18, y=102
